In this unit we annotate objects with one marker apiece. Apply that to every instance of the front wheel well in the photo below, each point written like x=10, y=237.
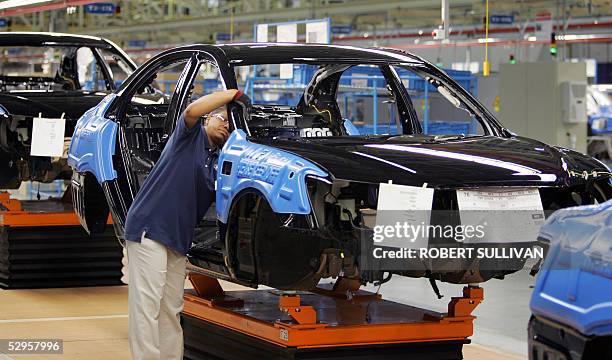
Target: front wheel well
x=89, y=202
x=263, y=247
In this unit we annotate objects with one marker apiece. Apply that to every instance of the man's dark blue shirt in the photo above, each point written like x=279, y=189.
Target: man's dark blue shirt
x=177, y=192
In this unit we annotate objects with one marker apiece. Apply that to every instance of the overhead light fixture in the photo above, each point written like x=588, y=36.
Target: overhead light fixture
x=574, y=37
x=9, y=4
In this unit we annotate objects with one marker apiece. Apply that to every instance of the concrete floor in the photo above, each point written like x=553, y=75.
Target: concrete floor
x=502, y=316
x=93, y=321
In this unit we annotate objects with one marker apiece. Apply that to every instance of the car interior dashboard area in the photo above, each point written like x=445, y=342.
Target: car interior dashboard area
x=284, y=122
x=19, y=83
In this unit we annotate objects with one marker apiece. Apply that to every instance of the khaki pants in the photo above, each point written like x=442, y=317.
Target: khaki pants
x=156, y=285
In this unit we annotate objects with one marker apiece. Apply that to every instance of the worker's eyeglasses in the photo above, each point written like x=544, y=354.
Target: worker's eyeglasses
x=218, y=116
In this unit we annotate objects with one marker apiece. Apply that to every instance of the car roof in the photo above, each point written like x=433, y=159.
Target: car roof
x=279, y=53
x=47, y=38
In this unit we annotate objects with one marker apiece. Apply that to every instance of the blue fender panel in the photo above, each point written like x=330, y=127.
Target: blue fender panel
x=279, y=175
x=93, y=143
x=574, y=286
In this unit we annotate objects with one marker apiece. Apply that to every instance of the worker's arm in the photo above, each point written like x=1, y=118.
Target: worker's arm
x=206, y=104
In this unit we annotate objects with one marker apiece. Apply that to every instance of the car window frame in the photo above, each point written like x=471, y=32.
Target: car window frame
x=195, y=58
x=179, y=95
x=490, y=125
x=405, y=109
x=130, y=86
x=403, y=104
x=185, y=83
x=110, y=84
x=106, y=67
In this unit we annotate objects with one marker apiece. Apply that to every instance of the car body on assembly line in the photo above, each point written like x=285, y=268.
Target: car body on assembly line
x=53, y=76
x=294, y=182
x=570, y=304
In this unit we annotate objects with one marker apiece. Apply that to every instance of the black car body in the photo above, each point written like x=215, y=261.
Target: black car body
x=51, y=75
x=278, y=220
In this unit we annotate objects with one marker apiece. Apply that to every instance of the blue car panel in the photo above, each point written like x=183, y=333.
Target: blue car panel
x=93, y=143
x=279, y=175
x=574, y=287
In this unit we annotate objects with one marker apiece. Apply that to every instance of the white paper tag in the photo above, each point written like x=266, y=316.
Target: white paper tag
x=509, y=215
x=399, y=205
x=402, y=197
x=48, y=137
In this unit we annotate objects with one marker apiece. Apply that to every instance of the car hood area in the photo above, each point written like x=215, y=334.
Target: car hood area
x=446, y=161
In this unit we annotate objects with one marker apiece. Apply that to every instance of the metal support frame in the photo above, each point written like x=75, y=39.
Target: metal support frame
x=217, y=16
x=442, y=32
x=302, y=314
x=25, y=9
x=338, y=317
x=12, y=213
x=445, y=12
x=16, y=213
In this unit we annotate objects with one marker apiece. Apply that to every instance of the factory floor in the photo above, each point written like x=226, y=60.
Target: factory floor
x=93, y=321
x=502, y=317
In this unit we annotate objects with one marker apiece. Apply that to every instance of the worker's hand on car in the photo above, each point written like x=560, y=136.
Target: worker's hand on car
x=243, y=100
x=217, y=129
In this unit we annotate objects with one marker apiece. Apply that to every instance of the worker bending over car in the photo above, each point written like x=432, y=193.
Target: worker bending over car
x=161, y=221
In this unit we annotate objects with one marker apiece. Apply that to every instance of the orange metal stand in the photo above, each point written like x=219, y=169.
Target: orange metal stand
x=15, y=215
x=338, y=317
x=18, y=213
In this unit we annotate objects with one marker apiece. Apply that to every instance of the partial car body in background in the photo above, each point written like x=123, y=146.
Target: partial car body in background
x=51, y=75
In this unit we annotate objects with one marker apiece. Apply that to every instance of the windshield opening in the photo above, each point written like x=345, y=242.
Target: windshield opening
x=304, y=100
x=55, y=68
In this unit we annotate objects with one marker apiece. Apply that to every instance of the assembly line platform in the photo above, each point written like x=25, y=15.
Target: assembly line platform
x=43, y=245
x=344, y=322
